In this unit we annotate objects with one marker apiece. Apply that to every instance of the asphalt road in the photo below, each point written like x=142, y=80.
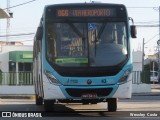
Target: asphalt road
x=135, y=108
x=139, y=107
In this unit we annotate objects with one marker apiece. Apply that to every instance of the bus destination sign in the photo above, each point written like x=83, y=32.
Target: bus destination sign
x=101, y=12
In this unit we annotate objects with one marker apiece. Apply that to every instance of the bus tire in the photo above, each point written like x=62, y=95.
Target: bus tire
x=49, y=105
x=112, y=104
x=94, y=101
x=39, y=100
x=85, y=102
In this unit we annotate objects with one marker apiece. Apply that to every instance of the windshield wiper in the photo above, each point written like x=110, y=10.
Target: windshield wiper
x=100, y=31
x=75, y=30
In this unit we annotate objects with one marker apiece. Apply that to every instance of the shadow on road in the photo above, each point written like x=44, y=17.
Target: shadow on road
x=59, y=111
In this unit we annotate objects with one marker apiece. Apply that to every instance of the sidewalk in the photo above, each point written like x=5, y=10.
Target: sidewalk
x=155, y=91
x=17, y=96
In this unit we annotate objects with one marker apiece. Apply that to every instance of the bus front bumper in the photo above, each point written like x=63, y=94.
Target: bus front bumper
x=92, y=92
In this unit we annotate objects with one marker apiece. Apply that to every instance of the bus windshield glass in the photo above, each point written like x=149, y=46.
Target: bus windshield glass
x=79, y=44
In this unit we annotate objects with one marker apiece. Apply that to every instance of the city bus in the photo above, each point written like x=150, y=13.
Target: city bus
x=82, y=53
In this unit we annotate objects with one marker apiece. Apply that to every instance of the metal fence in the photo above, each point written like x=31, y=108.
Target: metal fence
x=16, y=78
x=139, y=77
x=136, y=77
x=26, y=78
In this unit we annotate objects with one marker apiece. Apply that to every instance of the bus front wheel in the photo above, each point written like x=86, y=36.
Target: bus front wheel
x=49, y=105
x=39, y=100
x=112, y=104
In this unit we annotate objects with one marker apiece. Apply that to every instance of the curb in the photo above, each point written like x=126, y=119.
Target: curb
x=146, y=94
x=32, y=97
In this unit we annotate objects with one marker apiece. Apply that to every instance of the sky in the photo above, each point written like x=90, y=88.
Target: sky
x=26, y=19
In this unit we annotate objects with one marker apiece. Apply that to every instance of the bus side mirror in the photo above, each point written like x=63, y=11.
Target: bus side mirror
x=133, y=31
x=39, y=33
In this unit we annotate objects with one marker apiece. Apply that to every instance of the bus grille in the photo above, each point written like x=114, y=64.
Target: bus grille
x=88, y=72
x=100, y=92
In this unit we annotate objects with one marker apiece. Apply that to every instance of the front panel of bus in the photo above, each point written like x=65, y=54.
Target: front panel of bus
x=86, y=52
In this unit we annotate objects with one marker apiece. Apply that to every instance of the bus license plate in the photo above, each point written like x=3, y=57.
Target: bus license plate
x=89, y=96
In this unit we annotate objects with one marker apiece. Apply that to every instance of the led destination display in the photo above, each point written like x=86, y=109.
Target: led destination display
x=102, y=12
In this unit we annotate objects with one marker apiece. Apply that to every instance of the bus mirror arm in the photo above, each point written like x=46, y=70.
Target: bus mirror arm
x=39, y=33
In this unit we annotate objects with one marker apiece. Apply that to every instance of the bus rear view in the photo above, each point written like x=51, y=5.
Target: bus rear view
x=82, y=53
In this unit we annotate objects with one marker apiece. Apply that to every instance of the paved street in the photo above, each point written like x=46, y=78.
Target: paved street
x=144, y=105
x=137, y=103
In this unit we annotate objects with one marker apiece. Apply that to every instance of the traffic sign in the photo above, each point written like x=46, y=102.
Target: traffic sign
x=91, y=26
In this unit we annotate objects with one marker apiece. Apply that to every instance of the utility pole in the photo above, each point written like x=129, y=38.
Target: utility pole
x=159, y=21
x=143, y=61
x=8, y=22
x=159, y=40
x=158, y=45
x=143, y=55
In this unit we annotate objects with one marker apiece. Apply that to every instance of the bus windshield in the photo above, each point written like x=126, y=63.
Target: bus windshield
x=79, y=44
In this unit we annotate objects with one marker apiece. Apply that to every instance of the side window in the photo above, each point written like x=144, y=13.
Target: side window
x=51, y=42
x=37, y=41
x=39, y=33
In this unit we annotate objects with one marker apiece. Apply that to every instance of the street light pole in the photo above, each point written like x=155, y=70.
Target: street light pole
x=159, y=40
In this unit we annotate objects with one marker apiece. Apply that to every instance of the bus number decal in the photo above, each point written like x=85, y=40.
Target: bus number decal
x=62, y=13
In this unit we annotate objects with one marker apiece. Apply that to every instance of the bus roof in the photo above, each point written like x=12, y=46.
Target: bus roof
x=85, y=4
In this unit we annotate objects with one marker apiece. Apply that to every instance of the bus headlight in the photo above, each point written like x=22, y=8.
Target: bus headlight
x=51, y=78
x=125, y=76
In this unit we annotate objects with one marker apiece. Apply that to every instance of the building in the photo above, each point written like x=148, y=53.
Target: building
x=16, y=64
x=16, y=70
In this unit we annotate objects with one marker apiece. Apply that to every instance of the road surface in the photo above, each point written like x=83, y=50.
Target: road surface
x=138, y=106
